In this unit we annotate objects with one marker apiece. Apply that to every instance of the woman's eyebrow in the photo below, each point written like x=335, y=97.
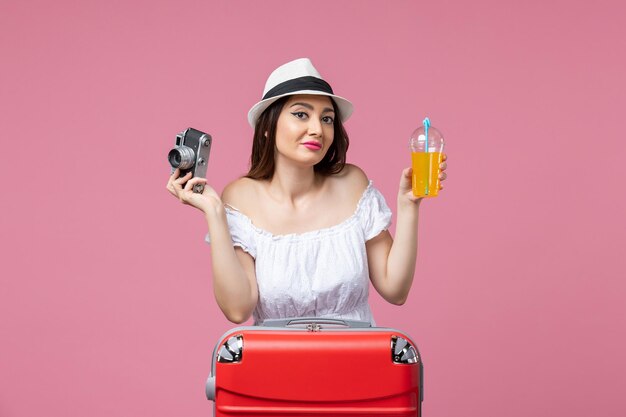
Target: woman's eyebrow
x=308, y=106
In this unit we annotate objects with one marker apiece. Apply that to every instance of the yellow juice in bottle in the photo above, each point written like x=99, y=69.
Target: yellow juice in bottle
x=425, y=178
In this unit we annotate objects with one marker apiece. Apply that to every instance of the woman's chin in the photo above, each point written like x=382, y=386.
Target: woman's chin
x=307, y=158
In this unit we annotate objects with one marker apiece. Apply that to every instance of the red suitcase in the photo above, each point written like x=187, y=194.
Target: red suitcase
x=315, y=367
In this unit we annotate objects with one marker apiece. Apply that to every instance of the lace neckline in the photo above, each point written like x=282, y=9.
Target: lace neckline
x=312, y=233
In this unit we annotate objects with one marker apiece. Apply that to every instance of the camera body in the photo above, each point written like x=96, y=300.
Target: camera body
x=191, y=154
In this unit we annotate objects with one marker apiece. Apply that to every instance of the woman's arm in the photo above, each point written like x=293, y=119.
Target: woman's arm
x=392, y=262
x=234, y=279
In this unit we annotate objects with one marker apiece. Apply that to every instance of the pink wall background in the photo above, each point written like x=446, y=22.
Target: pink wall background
x=106, y=306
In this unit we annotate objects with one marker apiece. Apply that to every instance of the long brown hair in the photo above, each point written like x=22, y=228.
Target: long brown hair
x=262, y=164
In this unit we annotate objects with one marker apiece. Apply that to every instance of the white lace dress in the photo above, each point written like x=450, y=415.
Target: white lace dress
x=322, y=273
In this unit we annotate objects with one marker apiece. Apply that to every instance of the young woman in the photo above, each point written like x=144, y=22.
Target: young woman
x=303, y=233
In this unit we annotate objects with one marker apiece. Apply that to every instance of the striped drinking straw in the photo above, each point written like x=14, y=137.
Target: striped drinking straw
x=426, y=126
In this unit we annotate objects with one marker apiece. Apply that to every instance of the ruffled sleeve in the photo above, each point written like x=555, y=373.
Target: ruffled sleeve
x=373, y=213
x=241, y=231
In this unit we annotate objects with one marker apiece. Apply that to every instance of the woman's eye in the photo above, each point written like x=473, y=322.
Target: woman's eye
x=300, y=114
x=328, y=120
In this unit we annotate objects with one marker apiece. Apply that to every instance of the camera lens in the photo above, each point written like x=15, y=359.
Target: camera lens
x=181, y=157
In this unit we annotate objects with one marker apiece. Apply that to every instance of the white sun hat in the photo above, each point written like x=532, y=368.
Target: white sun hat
x=297, y=77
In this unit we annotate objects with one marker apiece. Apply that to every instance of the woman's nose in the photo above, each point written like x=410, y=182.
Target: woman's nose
x=315, y=127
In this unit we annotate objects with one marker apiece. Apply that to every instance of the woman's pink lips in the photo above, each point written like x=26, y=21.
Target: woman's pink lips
x=314, y=146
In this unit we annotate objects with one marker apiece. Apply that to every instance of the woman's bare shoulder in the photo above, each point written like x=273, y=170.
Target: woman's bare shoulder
x=353, y=175
x=240, y=193
x=352, y=180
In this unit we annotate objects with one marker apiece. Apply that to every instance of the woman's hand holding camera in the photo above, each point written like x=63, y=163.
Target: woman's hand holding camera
x=206, y=201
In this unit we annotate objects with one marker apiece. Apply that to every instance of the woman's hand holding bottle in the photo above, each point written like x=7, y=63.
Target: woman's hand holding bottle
x=406, y=184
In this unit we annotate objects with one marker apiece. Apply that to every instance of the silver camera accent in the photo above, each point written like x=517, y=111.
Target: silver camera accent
x=191, y=154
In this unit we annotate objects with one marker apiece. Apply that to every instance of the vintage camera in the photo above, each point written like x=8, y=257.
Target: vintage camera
x=191, y=154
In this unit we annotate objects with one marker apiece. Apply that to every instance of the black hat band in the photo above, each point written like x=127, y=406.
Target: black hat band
x=299, y=84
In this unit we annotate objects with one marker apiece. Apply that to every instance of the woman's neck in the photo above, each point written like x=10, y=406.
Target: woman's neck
x=293, y=183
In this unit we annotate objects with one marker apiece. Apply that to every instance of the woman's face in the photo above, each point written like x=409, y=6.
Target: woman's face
x=305, y=129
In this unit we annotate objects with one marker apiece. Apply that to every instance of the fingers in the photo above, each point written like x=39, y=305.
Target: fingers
x=175, y=174
x=405, y=178
x=190, y=184
x=178, y=183
x=172, y=178
x=442, y=167
x=175, y=184
x=178, y=186
x=170, y=182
